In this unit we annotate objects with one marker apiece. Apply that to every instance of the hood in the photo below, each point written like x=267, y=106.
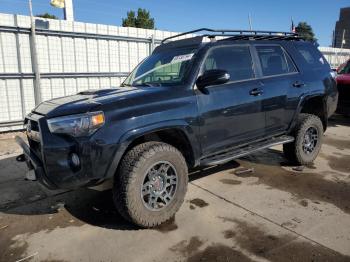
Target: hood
x=343, y=79
x=90, y=100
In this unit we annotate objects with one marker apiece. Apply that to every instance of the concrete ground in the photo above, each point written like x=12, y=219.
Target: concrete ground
x=276, y=212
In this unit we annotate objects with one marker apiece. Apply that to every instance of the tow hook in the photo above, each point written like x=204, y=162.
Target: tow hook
x=21, y=158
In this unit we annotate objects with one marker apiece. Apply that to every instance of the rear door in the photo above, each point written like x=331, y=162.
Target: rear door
x=278, y=76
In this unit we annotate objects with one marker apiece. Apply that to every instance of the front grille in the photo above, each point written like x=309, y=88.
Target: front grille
x=33, y=131
x=33, y=125
x=33, y=134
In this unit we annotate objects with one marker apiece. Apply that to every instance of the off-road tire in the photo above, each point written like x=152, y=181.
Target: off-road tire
x=130, y=176
x=294, y=151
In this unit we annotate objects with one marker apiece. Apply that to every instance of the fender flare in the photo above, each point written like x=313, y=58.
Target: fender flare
x=302, y=101
x=128, y=137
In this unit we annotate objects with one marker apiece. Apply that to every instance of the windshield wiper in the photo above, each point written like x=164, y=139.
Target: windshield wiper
x=122, y=85
x=149, y=84
x=145, y=84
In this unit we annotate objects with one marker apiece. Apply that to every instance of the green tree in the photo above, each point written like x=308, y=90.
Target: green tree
x=143, y=19
x=47, y=15
x=305, y=31
x=130, y=21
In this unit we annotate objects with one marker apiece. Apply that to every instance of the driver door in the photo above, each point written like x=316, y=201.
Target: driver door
x=231, y=113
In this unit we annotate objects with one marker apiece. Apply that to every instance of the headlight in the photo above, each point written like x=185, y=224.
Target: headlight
x=77, y=125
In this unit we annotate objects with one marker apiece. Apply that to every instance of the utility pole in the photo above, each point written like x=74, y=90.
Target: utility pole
x=341, y=47
x=68, y=10
x=34, y=57
x=250, y=22
x=343, y=40
x=342, y=43
x=67, y=6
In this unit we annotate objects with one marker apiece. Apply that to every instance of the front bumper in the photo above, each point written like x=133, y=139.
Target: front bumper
x=50, y=156
x=33, y=162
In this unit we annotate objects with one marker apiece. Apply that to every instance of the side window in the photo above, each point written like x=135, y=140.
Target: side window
x=274, y=61
x=311, y=55
x=236, y=60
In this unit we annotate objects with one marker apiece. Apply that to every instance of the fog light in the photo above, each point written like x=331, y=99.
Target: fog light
x=75, y=160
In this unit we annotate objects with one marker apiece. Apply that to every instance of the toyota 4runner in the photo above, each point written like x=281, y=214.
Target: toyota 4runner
x=198, y=101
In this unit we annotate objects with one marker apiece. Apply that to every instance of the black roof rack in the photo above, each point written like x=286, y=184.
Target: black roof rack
x=240, y=34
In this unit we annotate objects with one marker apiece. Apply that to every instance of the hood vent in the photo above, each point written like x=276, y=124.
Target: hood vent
x=96, y=91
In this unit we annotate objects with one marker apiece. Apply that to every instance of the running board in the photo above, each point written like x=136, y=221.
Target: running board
x=246, y=150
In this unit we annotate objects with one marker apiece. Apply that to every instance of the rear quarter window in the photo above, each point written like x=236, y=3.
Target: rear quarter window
x=311, y=55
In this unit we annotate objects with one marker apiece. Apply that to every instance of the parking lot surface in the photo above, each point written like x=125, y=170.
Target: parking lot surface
x=257, y=208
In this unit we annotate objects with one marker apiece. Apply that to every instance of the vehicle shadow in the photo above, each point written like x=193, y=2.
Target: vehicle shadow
x=269, y=157
x=89, y=206
x=85, y=205
x=27, y=198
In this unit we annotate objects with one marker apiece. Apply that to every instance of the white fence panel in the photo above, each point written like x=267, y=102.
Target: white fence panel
x=73, y=57
x=9, y=52
x=24, y=49
x=335, y=56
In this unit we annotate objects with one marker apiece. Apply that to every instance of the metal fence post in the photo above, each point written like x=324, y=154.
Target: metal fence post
x=34, y=57
x=151, y=47
x=19, y=61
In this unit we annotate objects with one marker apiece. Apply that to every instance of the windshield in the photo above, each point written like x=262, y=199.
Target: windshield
x=345, y=69
x=167, y=68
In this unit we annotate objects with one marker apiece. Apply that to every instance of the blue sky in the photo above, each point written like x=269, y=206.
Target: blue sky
x=181, y=15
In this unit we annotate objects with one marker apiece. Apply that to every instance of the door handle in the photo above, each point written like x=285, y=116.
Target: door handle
x=298, y=84
x=256, y=92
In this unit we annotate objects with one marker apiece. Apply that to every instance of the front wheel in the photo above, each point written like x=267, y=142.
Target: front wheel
x=150, y=184
x=308, y=140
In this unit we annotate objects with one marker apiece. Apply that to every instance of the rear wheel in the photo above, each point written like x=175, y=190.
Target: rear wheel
x=150, y=184
x=308, y=140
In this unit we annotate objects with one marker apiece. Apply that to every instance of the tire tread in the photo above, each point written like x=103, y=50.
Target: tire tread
x=291, y=150
x=126, y=175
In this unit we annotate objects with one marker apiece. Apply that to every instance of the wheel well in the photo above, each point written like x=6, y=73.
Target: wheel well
x=174, y=137
x=316, y=106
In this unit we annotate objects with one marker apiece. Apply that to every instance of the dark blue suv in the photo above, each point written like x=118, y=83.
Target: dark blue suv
x=198, y=101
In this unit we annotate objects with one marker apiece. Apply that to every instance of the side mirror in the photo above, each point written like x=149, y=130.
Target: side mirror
x=213, y=77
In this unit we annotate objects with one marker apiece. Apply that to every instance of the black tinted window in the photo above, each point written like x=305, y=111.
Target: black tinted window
x=236, y=60
x=274, y=60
